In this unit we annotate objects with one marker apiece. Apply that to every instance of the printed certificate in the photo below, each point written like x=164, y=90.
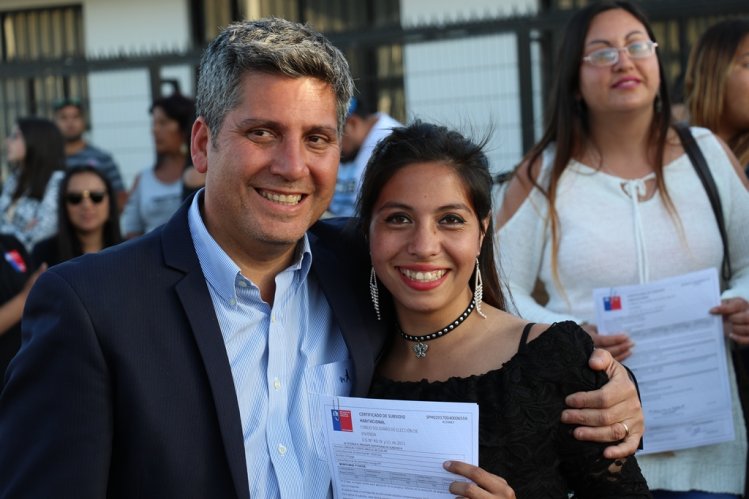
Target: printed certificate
x=395, y=448
x=679, y=357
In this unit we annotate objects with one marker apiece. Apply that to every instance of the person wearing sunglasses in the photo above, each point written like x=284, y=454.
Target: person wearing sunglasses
x=608, y=197
x=88, y=217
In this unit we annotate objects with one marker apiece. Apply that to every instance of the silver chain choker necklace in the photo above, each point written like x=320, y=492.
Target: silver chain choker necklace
x=420, y=348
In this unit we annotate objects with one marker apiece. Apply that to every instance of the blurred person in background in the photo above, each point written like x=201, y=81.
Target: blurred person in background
x=70, y=120
x=717, y=84
x=363, y=130
x=87, y=214
x=608, y=197
x=17, y=275
x=157, y=191
x=28, y=202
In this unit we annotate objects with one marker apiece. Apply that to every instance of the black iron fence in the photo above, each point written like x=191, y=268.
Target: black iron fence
x=31, y=83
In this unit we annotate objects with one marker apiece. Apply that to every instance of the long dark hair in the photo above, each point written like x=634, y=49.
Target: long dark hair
x=710, y=63
x=568, y=127
x=68, y=244
x=182, y=110
x=425, y=142
x=45, y=154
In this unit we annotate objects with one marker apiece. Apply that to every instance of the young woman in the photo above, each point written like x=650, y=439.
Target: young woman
x=425, y=206
x=608, y=197
x=717, y=84
x=88, y=217
x=157, y=191
x=28, y=201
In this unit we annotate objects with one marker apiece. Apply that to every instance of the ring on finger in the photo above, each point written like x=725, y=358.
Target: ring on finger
x=626, y=428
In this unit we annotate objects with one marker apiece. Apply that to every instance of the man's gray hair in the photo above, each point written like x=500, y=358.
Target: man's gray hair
x=271, y=46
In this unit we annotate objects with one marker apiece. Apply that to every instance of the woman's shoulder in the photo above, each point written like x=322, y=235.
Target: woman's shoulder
x=722, y=162
x=558, y=356
x=524, y=181
x=565, y=342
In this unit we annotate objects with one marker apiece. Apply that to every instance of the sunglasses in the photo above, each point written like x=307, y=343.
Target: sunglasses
x=74, y=198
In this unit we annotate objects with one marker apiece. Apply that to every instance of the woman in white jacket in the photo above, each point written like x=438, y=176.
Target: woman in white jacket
x=608, y=197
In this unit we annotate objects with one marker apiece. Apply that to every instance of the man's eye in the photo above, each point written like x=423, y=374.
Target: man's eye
x=318, y=141
x=259, y=134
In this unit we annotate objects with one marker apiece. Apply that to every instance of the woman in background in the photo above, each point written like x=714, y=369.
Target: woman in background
x=157, y=191
x=608, y=197
x=28, y=202
x=717, y=84
x=717, y=88
x=88, y=218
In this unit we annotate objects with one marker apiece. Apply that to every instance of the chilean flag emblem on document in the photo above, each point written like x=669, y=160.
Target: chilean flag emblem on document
x=613, y=302
x=342, y=420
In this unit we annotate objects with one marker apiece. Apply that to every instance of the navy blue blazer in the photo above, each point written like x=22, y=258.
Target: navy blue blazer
x=122, y=387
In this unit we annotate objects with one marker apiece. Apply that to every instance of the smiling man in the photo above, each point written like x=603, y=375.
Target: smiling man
x=202, y=380
x=187, y=363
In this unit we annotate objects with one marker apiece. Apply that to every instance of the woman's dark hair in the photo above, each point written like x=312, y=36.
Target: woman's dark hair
x=422, y=142
x=180, y=109
x=709, y=67
x=45, y=154
x=568, y=127
x=68, y=244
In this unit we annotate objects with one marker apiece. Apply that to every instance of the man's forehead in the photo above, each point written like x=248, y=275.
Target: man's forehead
x=254, y=86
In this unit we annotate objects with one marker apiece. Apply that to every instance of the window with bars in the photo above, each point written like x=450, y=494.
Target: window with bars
x=33, y=35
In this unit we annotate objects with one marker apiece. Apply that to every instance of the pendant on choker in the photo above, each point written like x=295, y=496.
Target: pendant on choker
x=420, y=348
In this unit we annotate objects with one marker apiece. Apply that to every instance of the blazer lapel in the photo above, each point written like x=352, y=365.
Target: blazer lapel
x=192, y=291
x=342, y=275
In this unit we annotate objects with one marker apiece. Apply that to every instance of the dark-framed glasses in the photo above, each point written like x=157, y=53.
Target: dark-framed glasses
x=610, y=55
x=74, y=198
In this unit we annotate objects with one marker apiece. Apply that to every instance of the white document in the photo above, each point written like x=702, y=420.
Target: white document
x=679, y=357
x=395, y=448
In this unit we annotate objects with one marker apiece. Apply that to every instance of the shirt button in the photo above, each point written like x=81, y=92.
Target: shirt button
x=242, y=284
x=273, y=318
x=232, y=302
x=277, y=383
x=281, y=449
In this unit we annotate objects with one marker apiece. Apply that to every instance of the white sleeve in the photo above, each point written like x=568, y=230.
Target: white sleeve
x=131, y=221
x=519, y=248
x=46, y=213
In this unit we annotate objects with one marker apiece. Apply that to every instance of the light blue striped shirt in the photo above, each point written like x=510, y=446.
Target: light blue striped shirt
x=281, y=357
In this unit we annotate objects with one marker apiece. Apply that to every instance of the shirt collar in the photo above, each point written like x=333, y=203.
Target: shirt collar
x=219, y=269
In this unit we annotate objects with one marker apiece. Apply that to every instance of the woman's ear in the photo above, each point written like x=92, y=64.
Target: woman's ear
x=484, y=228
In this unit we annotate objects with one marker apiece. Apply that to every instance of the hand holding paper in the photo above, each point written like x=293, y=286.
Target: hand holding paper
x=396, y=448
x=680, y=361
x=735, y=312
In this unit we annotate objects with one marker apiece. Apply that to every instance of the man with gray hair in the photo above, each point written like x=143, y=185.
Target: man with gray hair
x=187, y=363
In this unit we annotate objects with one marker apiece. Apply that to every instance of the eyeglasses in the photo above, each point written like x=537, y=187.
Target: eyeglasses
x=610, y=56
x=75, y=198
